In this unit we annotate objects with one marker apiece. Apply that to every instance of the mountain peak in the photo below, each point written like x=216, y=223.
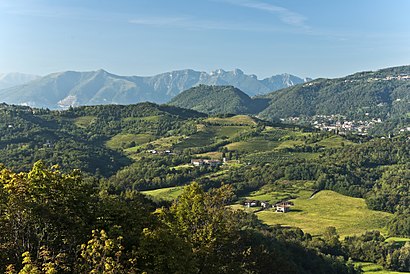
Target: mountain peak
x=102, y=87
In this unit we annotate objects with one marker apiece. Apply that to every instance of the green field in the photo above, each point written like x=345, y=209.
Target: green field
x=371, y=268
x=208, y=135
x=327, y=208
x=167, y=194
x=253, y=145
x=334, y=142
x=238, y=119
x=84, y=121
x=216, y=155
x=124, y=140
x=398, y=239
x=291, y=189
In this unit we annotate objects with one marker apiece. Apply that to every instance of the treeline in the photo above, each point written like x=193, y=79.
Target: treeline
x=51, y=222
x=155, y=172
x=76, y=138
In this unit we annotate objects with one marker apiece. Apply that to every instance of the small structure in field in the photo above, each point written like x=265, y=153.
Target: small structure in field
x=265, y=204
x=283, y=206
x=251, y=203
x=205, y=162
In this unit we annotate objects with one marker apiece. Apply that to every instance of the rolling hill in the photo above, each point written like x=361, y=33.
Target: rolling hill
x=71, y=88
x=381, y=94
x=218, y=100
x=377, y=100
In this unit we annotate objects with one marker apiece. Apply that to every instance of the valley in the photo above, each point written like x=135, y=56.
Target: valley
x=343, y=192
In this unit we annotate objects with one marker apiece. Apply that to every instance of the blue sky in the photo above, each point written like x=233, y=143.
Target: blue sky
x=315, y=38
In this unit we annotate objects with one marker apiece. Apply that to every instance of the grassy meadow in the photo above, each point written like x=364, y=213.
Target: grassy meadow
x=327, y=208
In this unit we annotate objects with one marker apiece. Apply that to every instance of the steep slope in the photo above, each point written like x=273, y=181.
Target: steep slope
x=70, y=88
x=217, y=100
x=383, y=94
x=8, y=80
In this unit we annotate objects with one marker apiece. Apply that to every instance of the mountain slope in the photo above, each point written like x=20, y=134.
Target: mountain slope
x=8, y=80
x=381, y=94
x=217, y=100
x=70, y=88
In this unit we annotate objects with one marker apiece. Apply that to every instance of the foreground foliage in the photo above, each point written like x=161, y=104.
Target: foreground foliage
x=47, y=217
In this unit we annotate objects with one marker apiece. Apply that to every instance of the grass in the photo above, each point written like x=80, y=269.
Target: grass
x=398, y=239
x=206, y=135
x=271, y=194
x=228, y=131
x=215, y=155
x=327, y=208
x=84, y=121
x=289, y=144
x=199, y=139
x=372, y=268
x=124, y=140
x=167, y=194
x=238, y=119
x=334, y=142
x=253, y=145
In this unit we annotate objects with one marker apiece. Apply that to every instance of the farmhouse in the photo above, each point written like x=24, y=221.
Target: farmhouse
x=205, y=162
x=251, y=203
x=283, y=206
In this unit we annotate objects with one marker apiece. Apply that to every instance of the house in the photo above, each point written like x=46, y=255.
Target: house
x=205, y=162
x=212, y=163
x=197, y=162
x=251, y=203
x=283, y=206
x=265, y=204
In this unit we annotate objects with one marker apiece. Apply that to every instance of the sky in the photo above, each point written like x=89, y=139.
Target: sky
x=315, y=38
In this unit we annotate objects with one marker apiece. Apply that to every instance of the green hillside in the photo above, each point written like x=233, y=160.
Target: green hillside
x=148, y=148
x=218, y=100
x=374, y=102
x=87, y=138
x=383, y=94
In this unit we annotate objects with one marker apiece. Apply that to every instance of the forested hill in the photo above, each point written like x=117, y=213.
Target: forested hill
x=383, y=94
x=49, y=218
x=379, y=101
x=218, y=100
x=76, y=138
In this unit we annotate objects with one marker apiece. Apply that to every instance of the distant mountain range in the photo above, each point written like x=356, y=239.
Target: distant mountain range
x=8, y=80
x=70, y=88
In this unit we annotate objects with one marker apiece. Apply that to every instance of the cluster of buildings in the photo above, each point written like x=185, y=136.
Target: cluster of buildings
x=402, y=77
x=331, y=123
x=282, y=206
x=161, y=152
x=205, y=162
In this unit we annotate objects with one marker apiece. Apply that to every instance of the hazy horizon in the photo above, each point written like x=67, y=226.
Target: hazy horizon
x=261, y=37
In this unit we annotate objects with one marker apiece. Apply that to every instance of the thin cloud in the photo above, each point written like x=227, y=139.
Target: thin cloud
x=196, y=24
x=285, y=15
x=160, y=21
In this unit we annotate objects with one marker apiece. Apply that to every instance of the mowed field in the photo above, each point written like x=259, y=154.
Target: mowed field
x=371, y=268
x=327, y=208
x=167, y=193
